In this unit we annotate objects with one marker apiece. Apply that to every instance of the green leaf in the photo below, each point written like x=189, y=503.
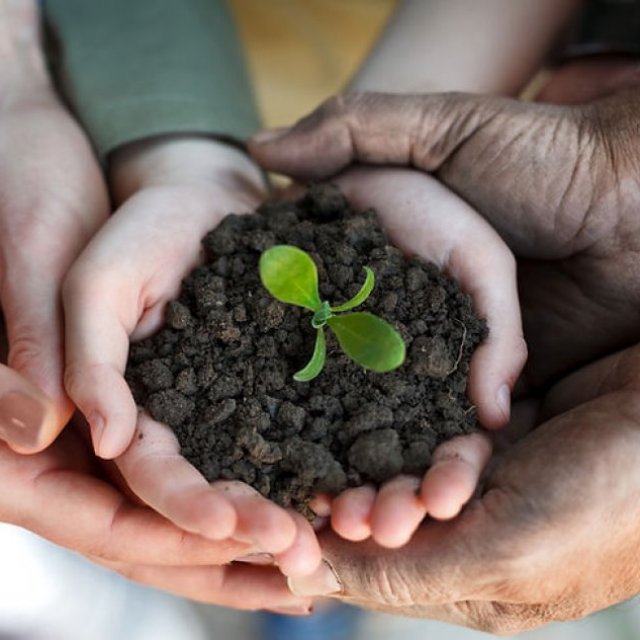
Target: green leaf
x=290, y=275
x=361, y=296
x=369, y=341
x=314, y=366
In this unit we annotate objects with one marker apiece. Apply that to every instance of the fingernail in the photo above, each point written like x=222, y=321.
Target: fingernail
x=322, y=582
x=21, y=419
x=96, y=423
x=295, y=610
x=270, y=135
x=263, y=559
x=504, y=400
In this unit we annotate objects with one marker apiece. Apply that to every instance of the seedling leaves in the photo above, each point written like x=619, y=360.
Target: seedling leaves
x=314, y=366
x=369, y=340
x=290, y=275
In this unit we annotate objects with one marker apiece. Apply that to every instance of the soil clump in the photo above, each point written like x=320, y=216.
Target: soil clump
x=220, y=372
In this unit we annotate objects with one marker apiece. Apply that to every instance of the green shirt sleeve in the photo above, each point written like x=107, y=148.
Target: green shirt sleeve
x=132, y=69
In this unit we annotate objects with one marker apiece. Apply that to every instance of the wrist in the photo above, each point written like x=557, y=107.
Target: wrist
x=179, y=160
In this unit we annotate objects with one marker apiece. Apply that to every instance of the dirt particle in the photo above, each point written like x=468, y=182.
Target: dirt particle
x=377, y=455
x=220, y=372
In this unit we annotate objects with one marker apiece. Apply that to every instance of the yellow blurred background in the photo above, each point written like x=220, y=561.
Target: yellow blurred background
x=302, y=51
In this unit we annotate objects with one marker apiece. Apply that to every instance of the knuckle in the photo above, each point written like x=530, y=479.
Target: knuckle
x=78, y=374
x=520, y=350
x=334, y=106
x=391, y=588
x=26, y=349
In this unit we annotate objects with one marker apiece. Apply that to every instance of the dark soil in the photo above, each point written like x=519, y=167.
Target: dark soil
x=220, y=373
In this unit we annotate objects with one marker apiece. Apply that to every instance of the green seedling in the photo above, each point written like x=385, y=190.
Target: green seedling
x=290, y=275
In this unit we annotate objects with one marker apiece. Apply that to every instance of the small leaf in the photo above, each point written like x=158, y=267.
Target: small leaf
x=290, y=275
x=369, y=341
x=314, y=366
x=361, y=296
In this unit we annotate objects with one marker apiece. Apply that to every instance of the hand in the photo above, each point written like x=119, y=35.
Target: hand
x=72, y=499
x=558, y=183
x=553, y=536
x=424, y=218
x=65, y=495
x=172, y=190
x=24, y=409
x=52, y=199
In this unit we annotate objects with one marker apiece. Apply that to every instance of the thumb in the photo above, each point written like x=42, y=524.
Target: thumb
x=513, y=161
x=422, y=573
x=420, y=130
x=35, y=351
x=26, y=414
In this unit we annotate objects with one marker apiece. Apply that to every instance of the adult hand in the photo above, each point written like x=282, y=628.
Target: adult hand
x=24, y=409
x=52, y=199
x=172, y=190
x=554, y=535
x=65, y=495
x=440, y=227
x=557, y=182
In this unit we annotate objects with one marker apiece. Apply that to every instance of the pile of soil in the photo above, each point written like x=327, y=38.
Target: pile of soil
x=220, y=373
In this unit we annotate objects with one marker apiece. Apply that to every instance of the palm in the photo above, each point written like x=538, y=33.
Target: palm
x=576, y=310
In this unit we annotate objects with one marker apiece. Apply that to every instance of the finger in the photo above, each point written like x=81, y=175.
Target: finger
x=351, y=513
x=442, y=228
x=260, y=522
x=97, y=342
x=157, y=473
x=239, y=586
x=34, y=333
x=392, y=579
x=495, y=152
x=453, y=476
x=397, y=512
x=375, y=128
x=321, y=505
x=27, y=416
x=46, y=500
x=303, y=556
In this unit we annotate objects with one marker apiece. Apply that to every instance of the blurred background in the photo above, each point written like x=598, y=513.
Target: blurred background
x=47, y=593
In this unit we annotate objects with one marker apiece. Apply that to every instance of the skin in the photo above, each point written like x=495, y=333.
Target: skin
x=558, y=183
x=199, y=174
x=441, y=228
x=53, y=199
x=65, y=483
x=170, y=191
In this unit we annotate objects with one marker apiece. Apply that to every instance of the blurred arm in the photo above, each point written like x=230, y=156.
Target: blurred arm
x=484, y=46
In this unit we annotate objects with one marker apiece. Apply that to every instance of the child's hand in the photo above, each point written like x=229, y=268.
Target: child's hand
x=173, y=192
x=424, y=218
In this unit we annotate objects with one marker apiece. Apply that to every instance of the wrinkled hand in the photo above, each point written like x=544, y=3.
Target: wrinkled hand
x=553, y=536
x=172, y=192
x=52, y=199
x=423, y=217
x=559, y=183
